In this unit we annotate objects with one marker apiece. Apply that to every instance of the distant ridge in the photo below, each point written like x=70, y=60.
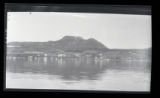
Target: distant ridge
x=67, y=43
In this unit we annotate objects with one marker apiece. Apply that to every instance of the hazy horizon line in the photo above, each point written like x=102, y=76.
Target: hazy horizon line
x=86, y=39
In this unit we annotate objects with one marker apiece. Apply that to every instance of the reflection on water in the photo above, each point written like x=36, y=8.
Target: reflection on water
x=78, y=73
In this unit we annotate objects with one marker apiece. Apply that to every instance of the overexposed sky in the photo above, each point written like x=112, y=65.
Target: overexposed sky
x=113, y=30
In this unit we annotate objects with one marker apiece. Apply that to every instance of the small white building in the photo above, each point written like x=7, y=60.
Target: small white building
x=61, y=55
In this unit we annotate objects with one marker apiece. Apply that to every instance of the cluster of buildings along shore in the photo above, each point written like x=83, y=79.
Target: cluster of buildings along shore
x=60, y=54
x=87, y=54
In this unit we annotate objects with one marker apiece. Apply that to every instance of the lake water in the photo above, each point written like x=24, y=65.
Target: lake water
x=78, y=74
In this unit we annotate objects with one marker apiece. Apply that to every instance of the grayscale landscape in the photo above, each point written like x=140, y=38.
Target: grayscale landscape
x=77, y=61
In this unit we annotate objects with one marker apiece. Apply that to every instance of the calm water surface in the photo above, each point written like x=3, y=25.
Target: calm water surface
x=77, y=74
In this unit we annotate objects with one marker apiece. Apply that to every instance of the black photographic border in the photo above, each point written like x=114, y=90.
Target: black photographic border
x=78, y=8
